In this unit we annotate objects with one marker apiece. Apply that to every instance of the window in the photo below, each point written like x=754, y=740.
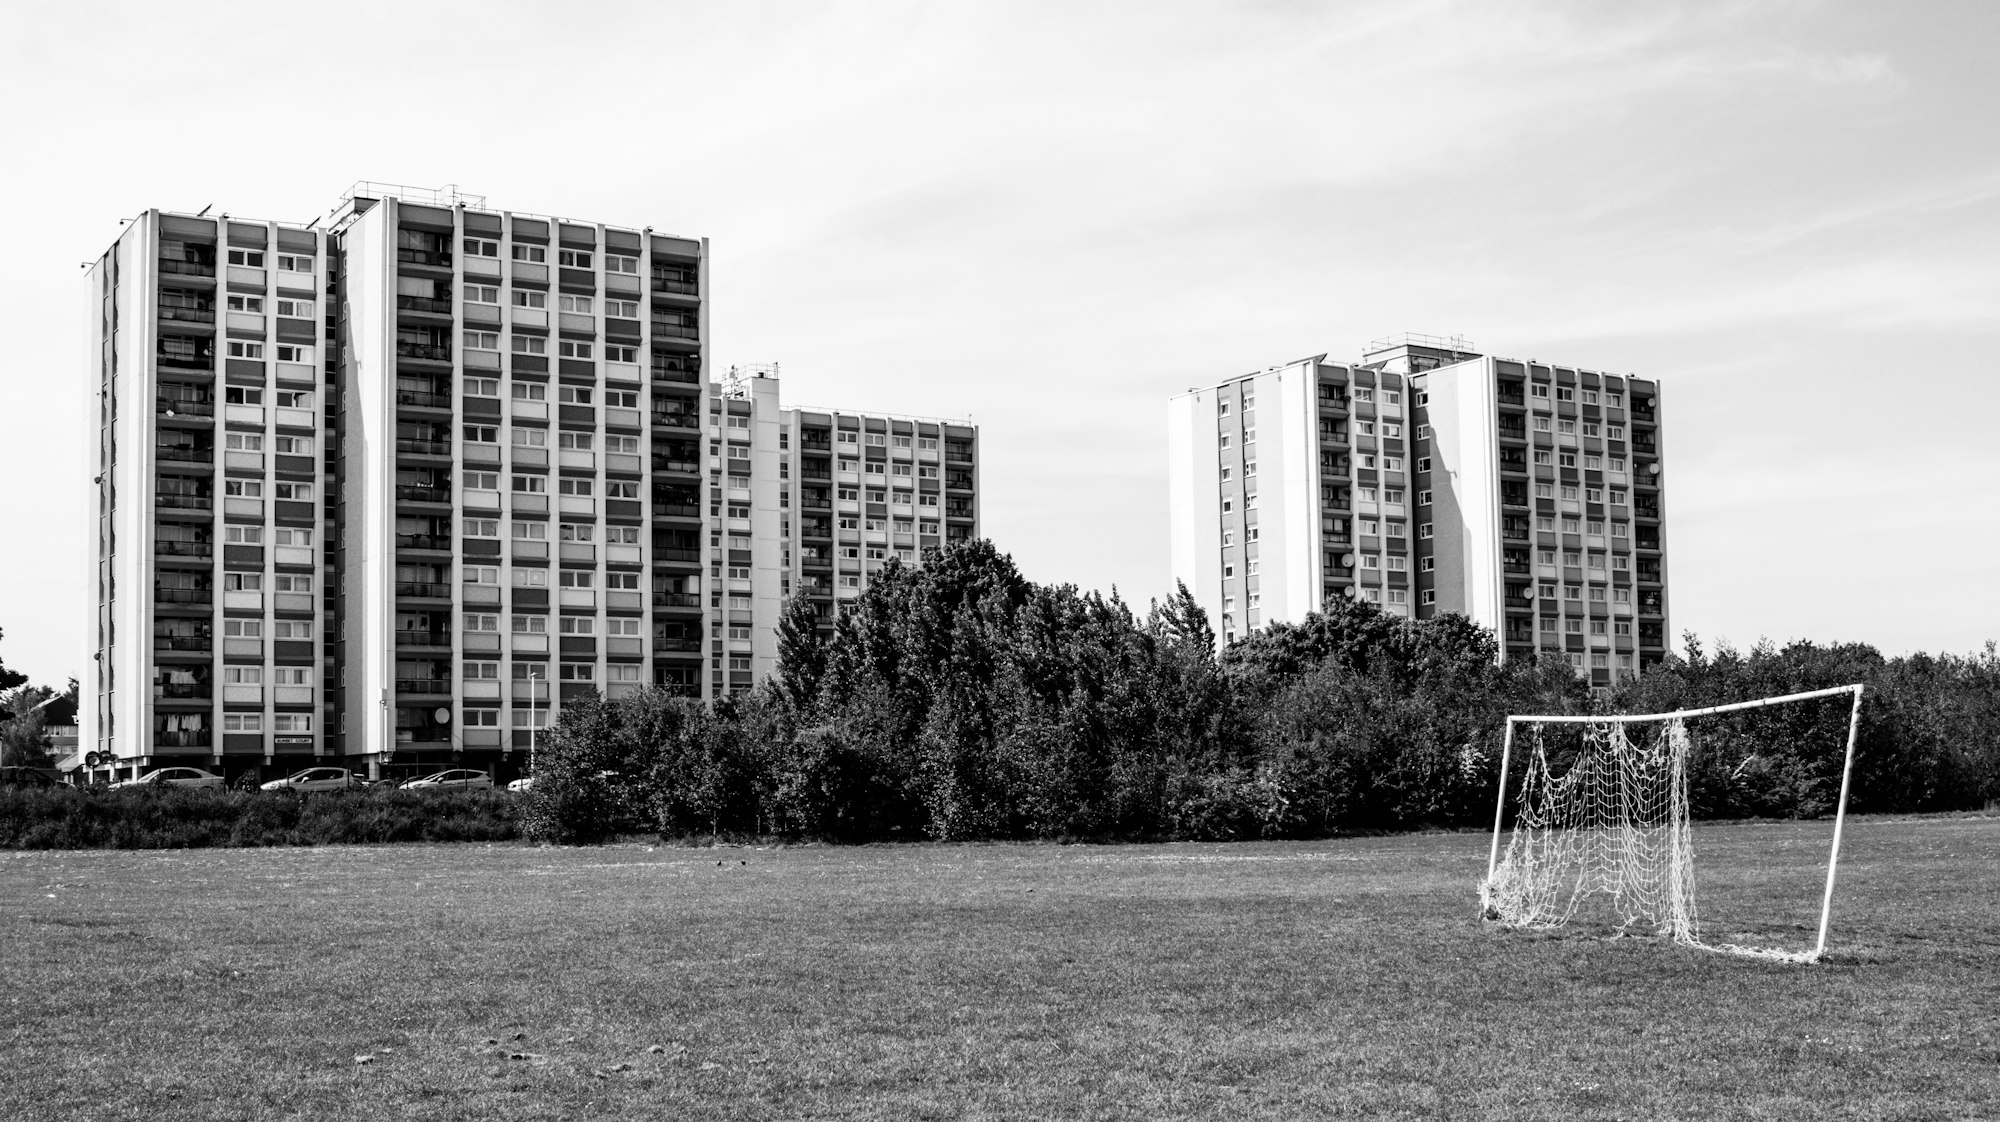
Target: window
x=1618, y=529
x=481, y=247
x=576, y=305
x=1364, y=428
x=1392, y=463
x=1423, y=463
x=576, y=578
x=294, y=492
x=292, y=675
x=573, y=259
x=1549, y=623
x=1566, y=459
x=1569, y=525
x=578, y=625
x=574, y=395
x=1423, y=398
x=1593, y=494
x=1621, y=596
x=292, y=582
x=242, y=582
x=238, y=348
x=482, y=294
x=1572, y=592
x=249, y=258
x=238, y=303
x=613, y=263
x=1566, y=427
x=481, y=434
x=481, y=574
x=1621, y=563
x=1590, y=428
x=578, y=487
x=243, y=629
x=531, y=484
x=296, y=630
x=1565, y=393
x=576, y=672
x=1569, y=493
x=482, y=528
x=1424, y=530
x=1593, y=463
x=1394, y=529
x=242, y=395
x=530, y=391
x=531, y=578
x=482, y=340
x=569, y=348
x=243, y=722
x=1364, y=393
x=1541, y=424
x=1614, y=400
x=482, y=481
x=534, y=254
x=577, y=531
x=1545, y=524
x=1370, y=561
x=1398, y=563
x=531, y=625
x=1590, y=397
x=1422, y=431
x=1426, y=564
x=621, y=354
x=532, y=532
x=294, y=399
x=1392, y=431
x=1618, y=463
x=480, y=671
x=575, y=441
x=1617, y=432
x=1393, y=495
x=243, y=535
x=1597, y=561
x=530, y=345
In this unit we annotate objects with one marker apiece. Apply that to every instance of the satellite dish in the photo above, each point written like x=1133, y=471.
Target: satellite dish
x=1347, y=560
x=92, y=759
x=1653, y=467
x=442, y=715
x=1528, y=593
x=1354, y=592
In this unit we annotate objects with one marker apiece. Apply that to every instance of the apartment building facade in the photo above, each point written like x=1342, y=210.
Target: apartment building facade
x=388, y=492
x=1428, y=478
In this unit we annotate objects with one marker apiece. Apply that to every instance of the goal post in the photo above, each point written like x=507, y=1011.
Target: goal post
x=1616, y=821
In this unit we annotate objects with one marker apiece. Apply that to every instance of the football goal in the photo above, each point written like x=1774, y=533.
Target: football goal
x=1601, y=816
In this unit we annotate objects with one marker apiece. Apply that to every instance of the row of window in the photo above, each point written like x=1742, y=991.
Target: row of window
x=539, y=531
x=614, y=580
x=566, y=258
x=1567, y=427
x=539, y=391
x=483, y=671
x=1568, y=393
x=1574, y=625
x=1596, y=594
x=871, y=439
x=566, y=485
x=254, y=675
x=234, y=534
x=254, y=489
x=1571, y=560
x=254, y=722
x=615, y=627
x=566, y=440
x=291, y=630
x=255, y=582
x=1569, y=493
x=254, y=395
x=244, y=348
x=286, y=262
x=240, y=302
x=565, y=302
x=539, y=345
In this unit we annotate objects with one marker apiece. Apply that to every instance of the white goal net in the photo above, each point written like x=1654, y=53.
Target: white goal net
x=1602, y=818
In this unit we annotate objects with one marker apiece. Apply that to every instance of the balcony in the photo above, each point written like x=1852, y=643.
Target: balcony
x=412, y=493
x=671, y=554
x=677, y=420
x=426, y=687
x=677, y=510
x=669, y=374
x=406, y=640
x=181, y=314
x=183, y=691
x=186, y=738
x=424, y=590
x=184, y=502
x=423, y=303
x=423, y=400
x=679, y=284
x=424, y=541
x=426, y=352
x=172, y=267
x=186, y=644
x=186, y=407
x=671, y=329
x=684, y=645
x=676, y=600
x=183, y=595
x=684, y=467
x=424, y=447
x=958, y=457
x=182, y=549
x=439, y=258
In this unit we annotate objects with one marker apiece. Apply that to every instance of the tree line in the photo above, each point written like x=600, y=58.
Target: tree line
x=960, y=700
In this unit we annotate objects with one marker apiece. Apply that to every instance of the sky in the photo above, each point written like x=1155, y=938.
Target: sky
x=1050, y=217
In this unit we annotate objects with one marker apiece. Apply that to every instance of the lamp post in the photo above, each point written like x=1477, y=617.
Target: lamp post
x=534, y=713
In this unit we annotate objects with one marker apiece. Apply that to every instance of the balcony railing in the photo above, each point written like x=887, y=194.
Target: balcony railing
x=676, y=600
x=677, y=645
x=187, y=407
x=192, y=643
x=423, y=399
x=183, y=595
x=432, y=590
x=185, y=502
x=186, y=268
x=187, y=362
x=187, y=315
x=425, y=447
x=187, y=738
x=677, y=510
x=674, y=553
x=665, y=374
x=439, y=257
x=430, y=687
x=423, y=541
x=677, y=420
x=958, y=457
x=431, y=352
x=410, y=493
x=183, y=549
x=668, y=283
x=423, y=638
x=423, y=304
x=184, y=691
x=688, y=467
x=672, y=330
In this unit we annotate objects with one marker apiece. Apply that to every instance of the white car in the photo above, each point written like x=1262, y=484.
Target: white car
x=315, y=779
x=520, y=786
x=174, y=777
x=458, y=779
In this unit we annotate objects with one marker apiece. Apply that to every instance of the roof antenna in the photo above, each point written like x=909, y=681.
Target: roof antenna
x=203, y=210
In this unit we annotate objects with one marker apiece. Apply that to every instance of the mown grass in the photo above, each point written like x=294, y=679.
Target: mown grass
x=1282, y=981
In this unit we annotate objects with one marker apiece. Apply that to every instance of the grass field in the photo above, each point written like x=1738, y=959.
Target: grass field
x=1297, y=980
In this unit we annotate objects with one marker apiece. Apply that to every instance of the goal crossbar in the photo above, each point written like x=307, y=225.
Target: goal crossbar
x=1840, y=810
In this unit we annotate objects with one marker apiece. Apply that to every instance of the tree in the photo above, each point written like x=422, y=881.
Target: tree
x=10, y=678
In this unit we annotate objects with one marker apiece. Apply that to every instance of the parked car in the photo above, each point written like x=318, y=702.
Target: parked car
x=11, y=776
x=522, y=786
x=457, y=779
x=174, y=777
x=316, y=779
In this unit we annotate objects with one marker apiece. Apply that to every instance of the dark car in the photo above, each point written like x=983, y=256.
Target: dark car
x=30, y=777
